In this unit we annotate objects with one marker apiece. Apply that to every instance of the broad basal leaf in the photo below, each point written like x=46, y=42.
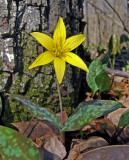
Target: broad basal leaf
x=124, y=119
x=103, y=81
x=38, y=112
x=87, y=111
x=15, y=146
x=94, y=69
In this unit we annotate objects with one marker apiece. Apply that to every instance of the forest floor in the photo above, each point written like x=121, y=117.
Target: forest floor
x=101, y=139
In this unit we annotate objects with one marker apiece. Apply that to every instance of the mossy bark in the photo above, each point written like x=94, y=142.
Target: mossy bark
x=20, y=49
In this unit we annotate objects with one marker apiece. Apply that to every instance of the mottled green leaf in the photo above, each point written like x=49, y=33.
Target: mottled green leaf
x=15, y=146
x=87, y=111
x=124, y=119
x=104, y=66
x=114, y=44
x=94, y=69
x=103, y=81
x=106, y=57
x=38, y=112
x=124, y=38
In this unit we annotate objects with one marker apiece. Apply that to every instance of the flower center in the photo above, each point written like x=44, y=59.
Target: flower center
x=58, y=49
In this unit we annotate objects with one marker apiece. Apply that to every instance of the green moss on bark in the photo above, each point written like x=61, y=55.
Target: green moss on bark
x=38, y=84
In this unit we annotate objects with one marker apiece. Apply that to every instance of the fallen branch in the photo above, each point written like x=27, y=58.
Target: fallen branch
x=116, y=72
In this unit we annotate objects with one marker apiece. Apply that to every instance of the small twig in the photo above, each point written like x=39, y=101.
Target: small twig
x=118, y=16
x=60, y=100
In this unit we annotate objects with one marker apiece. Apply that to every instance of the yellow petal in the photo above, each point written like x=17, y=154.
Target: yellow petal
x=59, y=65
x=76, y=61
x=59, y=35
x=44, y=40
x=74, y=41
x=42, y=59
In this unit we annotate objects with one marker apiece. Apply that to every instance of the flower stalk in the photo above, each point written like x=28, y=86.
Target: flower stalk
x=58, y=51
x=60, y=102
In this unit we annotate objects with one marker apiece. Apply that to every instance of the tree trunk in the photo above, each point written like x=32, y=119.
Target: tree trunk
x=19, y=49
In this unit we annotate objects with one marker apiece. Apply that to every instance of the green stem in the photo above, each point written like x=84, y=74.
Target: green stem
x=60, y=100
x=113, y=61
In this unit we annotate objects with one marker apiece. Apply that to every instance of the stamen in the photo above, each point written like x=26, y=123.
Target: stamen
x=58, y=49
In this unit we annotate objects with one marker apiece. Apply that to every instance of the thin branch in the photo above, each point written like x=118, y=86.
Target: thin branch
x=106, y=14
x=124, y=26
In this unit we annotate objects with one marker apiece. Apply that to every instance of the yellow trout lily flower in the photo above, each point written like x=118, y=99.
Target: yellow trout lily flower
x=59, y=50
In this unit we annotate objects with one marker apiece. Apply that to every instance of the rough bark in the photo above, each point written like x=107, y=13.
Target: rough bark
x=18, y=49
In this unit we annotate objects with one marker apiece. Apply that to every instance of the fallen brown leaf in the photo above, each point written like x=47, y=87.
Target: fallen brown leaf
x=34, y=129
x=119, y=152
x=122, y=86
x=100, y=125
x=115, y=115
x=81, y=146
x=54, y=149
